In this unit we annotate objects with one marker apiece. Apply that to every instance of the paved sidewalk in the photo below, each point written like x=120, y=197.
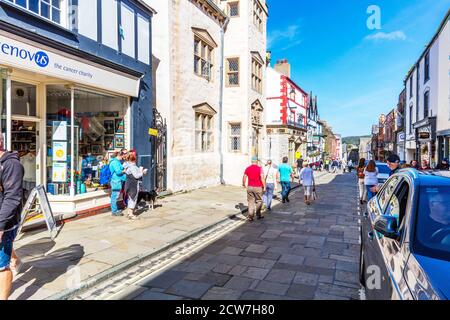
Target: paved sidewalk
x=98, y=243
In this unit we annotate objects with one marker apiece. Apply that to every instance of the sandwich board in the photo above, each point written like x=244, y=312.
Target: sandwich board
x=37, y=208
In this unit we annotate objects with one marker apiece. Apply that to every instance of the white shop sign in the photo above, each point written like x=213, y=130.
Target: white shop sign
x=24, y=56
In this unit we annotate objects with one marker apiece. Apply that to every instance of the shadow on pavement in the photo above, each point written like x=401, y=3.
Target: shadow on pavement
x=298, y=252
x=52, y=265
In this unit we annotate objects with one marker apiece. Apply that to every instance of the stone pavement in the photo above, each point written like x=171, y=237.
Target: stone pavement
x=297, y=252
x=98, y=243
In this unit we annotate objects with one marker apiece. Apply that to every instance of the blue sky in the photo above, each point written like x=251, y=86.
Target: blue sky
x=356, y=72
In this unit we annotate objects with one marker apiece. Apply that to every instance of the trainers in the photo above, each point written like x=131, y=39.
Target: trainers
x=117, y=214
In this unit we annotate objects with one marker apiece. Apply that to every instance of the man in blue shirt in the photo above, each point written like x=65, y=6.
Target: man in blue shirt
x=286, y=177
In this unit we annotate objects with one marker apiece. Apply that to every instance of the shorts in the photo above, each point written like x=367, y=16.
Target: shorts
x=308, y=190
x=6, y=248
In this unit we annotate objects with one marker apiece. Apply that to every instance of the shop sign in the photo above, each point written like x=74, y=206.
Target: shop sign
x=424, y=133
x=37, y=209
x=59, y=170
x=59, y=151
x=24, y=56
x=298, y=155
x=401, y=137
x=60, y=130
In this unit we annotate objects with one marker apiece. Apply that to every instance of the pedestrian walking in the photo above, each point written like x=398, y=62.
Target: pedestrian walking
x=11, y=193
x=253, y=180
x=370, y=178
x=327, y=165
x=360, y=175
x=133, y=185
x=118, y=178
x=286, y=176
x=350, y=165
x=308, y=183
x=300, y=165
x=270, y=177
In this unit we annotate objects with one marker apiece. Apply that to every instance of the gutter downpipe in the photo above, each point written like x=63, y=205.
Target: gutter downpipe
x=222, y=57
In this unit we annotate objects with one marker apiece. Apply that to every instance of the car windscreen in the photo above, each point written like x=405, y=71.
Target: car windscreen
x=432, y=232
x=383, y=169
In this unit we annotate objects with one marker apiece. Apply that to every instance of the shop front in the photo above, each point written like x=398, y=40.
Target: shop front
x=65, y=117
x=444, y=144
x=426, y=140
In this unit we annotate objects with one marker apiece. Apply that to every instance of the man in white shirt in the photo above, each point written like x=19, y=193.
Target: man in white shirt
x=271, y=178
x=308, y=182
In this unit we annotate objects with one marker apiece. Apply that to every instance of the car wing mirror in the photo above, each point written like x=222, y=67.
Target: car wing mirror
x=387, y=226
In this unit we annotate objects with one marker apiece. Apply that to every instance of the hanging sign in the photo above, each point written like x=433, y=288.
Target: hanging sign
x=153, y=132
x=36, y=209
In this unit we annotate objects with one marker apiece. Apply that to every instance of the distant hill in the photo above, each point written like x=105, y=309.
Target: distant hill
x=353, y=140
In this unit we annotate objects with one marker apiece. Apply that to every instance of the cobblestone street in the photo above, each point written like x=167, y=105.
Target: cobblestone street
x=297, y=252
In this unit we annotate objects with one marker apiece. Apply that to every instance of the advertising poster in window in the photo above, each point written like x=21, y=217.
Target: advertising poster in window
x=120, y=126
x=59, y=172
x=59, y=151
x=60, y=130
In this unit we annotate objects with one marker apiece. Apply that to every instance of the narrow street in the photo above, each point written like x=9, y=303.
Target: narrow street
x=296, y=252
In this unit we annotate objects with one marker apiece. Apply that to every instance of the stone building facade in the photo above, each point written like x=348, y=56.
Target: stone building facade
x=187, y=51
x=244, y=99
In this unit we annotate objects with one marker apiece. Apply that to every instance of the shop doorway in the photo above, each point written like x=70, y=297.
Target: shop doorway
x=25, y=141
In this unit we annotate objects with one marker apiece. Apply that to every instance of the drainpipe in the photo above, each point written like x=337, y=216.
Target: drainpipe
x=222, y=57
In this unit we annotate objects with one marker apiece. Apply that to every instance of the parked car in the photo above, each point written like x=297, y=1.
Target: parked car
x=405, y=234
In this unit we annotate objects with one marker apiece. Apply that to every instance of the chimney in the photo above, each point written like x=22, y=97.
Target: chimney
x=283, y=67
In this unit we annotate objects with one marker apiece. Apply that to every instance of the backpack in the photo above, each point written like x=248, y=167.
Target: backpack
x=105, y=175
x=361, y=173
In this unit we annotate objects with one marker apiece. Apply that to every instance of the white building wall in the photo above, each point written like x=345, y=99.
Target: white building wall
x=241, y=39
x=443, y=95
x=178, y=90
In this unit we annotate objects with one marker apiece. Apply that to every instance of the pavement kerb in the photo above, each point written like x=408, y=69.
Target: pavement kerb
x=111, y=272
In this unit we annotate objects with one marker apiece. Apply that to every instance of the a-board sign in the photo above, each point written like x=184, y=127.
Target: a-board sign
x=37, y=208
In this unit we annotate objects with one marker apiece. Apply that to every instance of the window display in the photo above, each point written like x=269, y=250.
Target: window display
x=99, y=129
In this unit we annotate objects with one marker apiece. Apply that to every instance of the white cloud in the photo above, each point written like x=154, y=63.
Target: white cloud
x=288, y=34
x=392, y=36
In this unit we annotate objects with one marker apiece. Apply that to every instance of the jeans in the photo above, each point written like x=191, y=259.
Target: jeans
x=6, y=248
x=362, y=190
x=370, y=194
x=254, y=198
x=114, y=197
x=268, y=195
x=285, y=189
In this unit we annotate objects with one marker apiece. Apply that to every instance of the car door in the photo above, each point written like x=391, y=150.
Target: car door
x=375, y=268
x=394, y=257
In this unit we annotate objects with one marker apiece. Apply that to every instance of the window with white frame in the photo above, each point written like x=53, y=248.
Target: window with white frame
x=256, y=75
x=143, y=39
x=202, y=58
x=53, y=10
x=232, y=72
x=258, y=14
x=110, y=24
x=233, y=9
x=85, y=19
x=127, y=31
x=235, y=137
x=204, y=133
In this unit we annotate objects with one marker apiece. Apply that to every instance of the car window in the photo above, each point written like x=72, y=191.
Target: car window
x=383, y=169
x=432, y=232
x=398, y=203
x=387, y=191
